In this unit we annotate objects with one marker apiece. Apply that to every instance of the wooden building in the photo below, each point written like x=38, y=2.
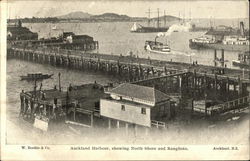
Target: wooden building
x=137, y=105
x=18, y=32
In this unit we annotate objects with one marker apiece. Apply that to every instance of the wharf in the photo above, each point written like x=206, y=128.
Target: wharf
x=129, y=67
x=221, y=89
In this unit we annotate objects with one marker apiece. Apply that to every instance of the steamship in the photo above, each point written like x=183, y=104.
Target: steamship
x=223, y=38
x=157, y=47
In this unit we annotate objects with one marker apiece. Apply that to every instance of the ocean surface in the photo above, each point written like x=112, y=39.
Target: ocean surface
x=114, y=38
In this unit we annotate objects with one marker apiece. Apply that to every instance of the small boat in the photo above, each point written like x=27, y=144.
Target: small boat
x=54, y=28
x=36, y=76
x=157, y=47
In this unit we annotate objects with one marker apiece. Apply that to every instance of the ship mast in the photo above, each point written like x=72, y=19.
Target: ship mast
x=158, y=18
x=148, y=16
x=164, y=18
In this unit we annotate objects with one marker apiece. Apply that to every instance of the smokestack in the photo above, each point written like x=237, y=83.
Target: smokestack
x=242, y=31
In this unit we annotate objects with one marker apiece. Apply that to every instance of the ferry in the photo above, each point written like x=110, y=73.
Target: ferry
x=157, y=47
x=243, y=60
x=36, y=76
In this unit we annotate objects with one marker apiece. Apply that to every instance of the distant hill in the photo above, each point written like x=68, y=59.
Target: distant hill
x=80, y=16
x=110, y=16
x=75, y=15
x=167, y=17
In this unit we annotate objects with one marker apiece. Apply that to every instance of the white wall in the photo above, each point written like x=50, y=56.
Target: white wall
x=132, y=113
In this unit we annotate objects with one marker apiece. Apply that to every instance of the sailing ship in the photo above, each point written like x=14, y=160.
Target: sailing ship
x=142, y=29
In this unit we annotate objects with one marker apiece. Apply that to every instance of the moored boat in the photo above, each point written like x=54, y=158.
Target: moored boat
x=224, y=38
x=243, y=60
x=36, y=76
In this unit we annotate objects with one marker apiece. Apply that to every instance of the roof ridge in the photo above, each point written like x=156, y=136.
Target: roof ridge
x=117, y=87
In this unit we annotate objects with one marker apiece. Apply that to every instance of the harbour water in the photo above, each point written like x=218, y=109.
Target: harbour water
x=16, y=68
x=116, y=38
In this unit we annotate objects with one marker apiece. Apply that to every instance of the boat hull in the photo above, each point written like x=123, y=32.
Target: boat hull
x=239, y=64
x=219, y=46
x=150, y=29
x=35, y=78
x=148, y=48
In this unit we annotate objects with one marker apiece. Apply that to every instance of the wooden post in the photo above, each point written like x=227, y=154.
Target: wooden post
x=92, y=119
x=135, y=130
x=240, y=86
x=222, y=58
x=59, y=76
x=109, y=123
x=74, y=112
x=195, y=84
x=215, y=83
x=215, y=57
x=118, y=124
x=126, y=128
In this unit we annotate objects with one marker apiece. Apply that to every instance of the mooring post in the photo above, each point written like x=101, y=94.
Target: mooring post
x=240, y=86
x=215, y=57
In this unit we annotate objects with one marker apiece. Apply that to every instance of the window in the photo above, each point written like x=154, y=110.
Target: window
x=143, y=110
x=123, y=108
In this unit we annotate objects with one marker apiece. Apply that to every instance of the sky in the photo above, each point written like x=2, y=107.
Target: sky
x=135, y=8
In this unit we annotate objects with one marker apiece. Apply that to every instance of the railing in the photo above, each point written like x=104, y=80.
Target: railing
x=224, y=107
x=158, y=124
x=230, y=105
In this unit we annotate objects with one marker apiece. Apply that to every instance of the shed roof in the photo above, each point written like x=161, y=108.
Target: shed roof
x=19, y=30
x=140, y=92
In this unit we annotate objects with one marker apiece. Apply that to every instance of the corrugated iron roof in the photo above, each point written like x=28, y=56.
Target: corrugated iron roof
x=140, y=92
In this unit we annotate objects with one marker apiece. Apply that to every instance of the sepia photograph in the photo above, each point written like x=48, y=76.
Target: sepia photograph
x=124, y=80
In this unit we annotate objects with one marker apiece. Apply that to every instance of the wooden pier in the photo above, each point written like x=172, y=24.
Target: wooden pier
x=181, y=80
x=128, y=67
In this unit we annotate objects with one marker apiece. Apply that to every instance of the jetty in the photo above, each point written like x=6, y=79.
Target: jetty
x=226, y=88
